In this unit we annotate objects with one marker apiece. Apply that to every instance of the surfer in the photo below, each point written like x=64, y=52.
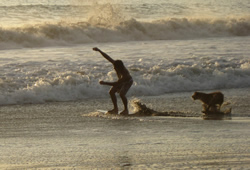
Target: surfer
x=121, y=86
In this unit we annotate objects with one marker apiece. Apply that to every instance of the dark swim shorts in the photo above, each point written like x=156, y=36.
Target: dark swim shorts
x=124, y=87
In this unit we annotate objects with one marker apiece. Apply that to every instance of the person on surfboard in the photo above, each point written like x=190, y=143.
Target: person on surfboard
x=121, y=86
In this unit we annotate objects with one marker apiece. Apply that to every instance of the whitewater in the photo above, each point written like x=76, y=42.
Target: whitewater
x=72, y=73
x=46, y=53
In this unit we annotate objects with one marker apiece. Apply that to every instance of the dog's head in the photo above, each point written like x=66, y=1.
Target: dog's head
x=195, y=95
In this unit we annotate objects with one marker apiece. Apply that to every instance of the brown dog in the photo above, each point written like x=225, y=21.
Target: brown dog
x=210, y=100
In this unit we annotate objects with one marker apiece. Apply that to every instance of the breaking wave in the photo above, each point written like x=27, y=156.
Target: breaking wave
x=96, y=31
x=45, y=84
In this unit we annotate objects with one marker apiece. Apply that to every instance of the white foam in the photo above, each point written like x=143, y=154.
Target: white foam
x=149, y=79
x=73, y=73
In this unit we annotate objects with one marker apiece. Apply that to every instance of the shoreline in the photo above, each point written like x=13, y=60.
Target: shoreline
x=169, y=102
x=57, y=135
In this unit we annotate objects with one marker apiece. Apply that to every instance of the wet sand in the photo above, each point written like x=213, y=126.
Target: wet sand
x=63, y=136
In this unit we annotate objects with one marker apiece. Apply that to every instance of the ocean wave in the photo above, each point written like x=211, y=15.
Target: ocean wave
x=98, y=30
x=45, y=84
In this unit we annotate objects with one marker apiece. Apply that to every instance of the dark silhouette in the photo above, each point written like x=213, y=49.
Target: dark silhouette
x=210, y=100
x=121, y=86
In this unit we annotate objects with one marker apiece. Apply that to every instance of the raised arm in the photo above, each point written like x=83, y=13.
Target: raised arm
x=104, y=55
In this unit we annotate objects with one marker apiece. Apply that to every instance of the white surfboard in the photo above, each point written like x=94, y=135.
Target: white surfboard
x=102, y=111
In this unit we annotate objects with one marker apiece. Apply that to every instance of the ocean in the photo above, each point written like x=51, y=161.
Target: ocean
x=48, y=71
x=46, y=47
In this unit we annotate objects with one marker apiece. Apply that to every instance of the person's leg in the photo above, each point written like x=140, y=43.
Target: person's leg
x=123, y=93
x=125, y=103
x=114, y=101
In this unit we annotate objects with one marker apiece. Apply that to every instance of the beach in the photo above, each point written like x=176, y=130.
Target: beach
x=71, y=136
x=50, y=96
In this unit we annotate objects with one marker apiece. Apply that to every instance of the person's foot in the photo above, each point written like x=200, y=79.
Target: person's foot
x=113, y=112
x=124, y=113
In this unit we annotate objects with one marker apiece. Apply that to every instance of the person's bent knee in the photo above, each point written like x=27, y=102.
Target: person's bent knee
x=112, y=92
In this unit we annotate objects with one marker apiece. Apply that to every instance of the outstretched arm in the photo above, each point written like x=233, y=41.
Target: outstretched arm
x=108, y=83
x=104, y=55
x=116, y=83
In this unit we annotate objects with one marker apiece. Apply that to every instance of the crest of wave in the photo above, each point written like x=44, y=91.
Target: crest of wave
x=106, y=15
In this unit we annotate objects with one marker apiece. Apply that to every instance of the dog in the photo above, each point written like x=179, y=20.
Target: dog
x=211, y=101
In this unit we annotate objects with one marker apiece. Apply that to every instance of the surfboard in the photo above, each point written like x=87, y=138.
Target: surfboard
x=105, y=112
x=102, y=111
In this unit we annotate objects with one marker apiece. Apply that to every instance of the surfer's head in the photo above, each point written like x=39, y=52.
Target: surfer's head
x=118, y=65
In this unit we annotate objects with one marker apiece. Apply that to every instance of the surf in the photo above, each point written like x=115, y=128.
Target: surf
x=51, y=83
x=103, y=31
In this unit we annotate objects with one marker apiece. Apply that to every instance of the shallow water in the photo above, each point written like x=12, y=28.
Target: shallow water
x=60, y=135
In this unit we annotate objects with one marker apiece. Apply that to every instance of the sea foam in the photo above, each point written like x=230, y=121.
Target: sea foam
x=64, y=83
